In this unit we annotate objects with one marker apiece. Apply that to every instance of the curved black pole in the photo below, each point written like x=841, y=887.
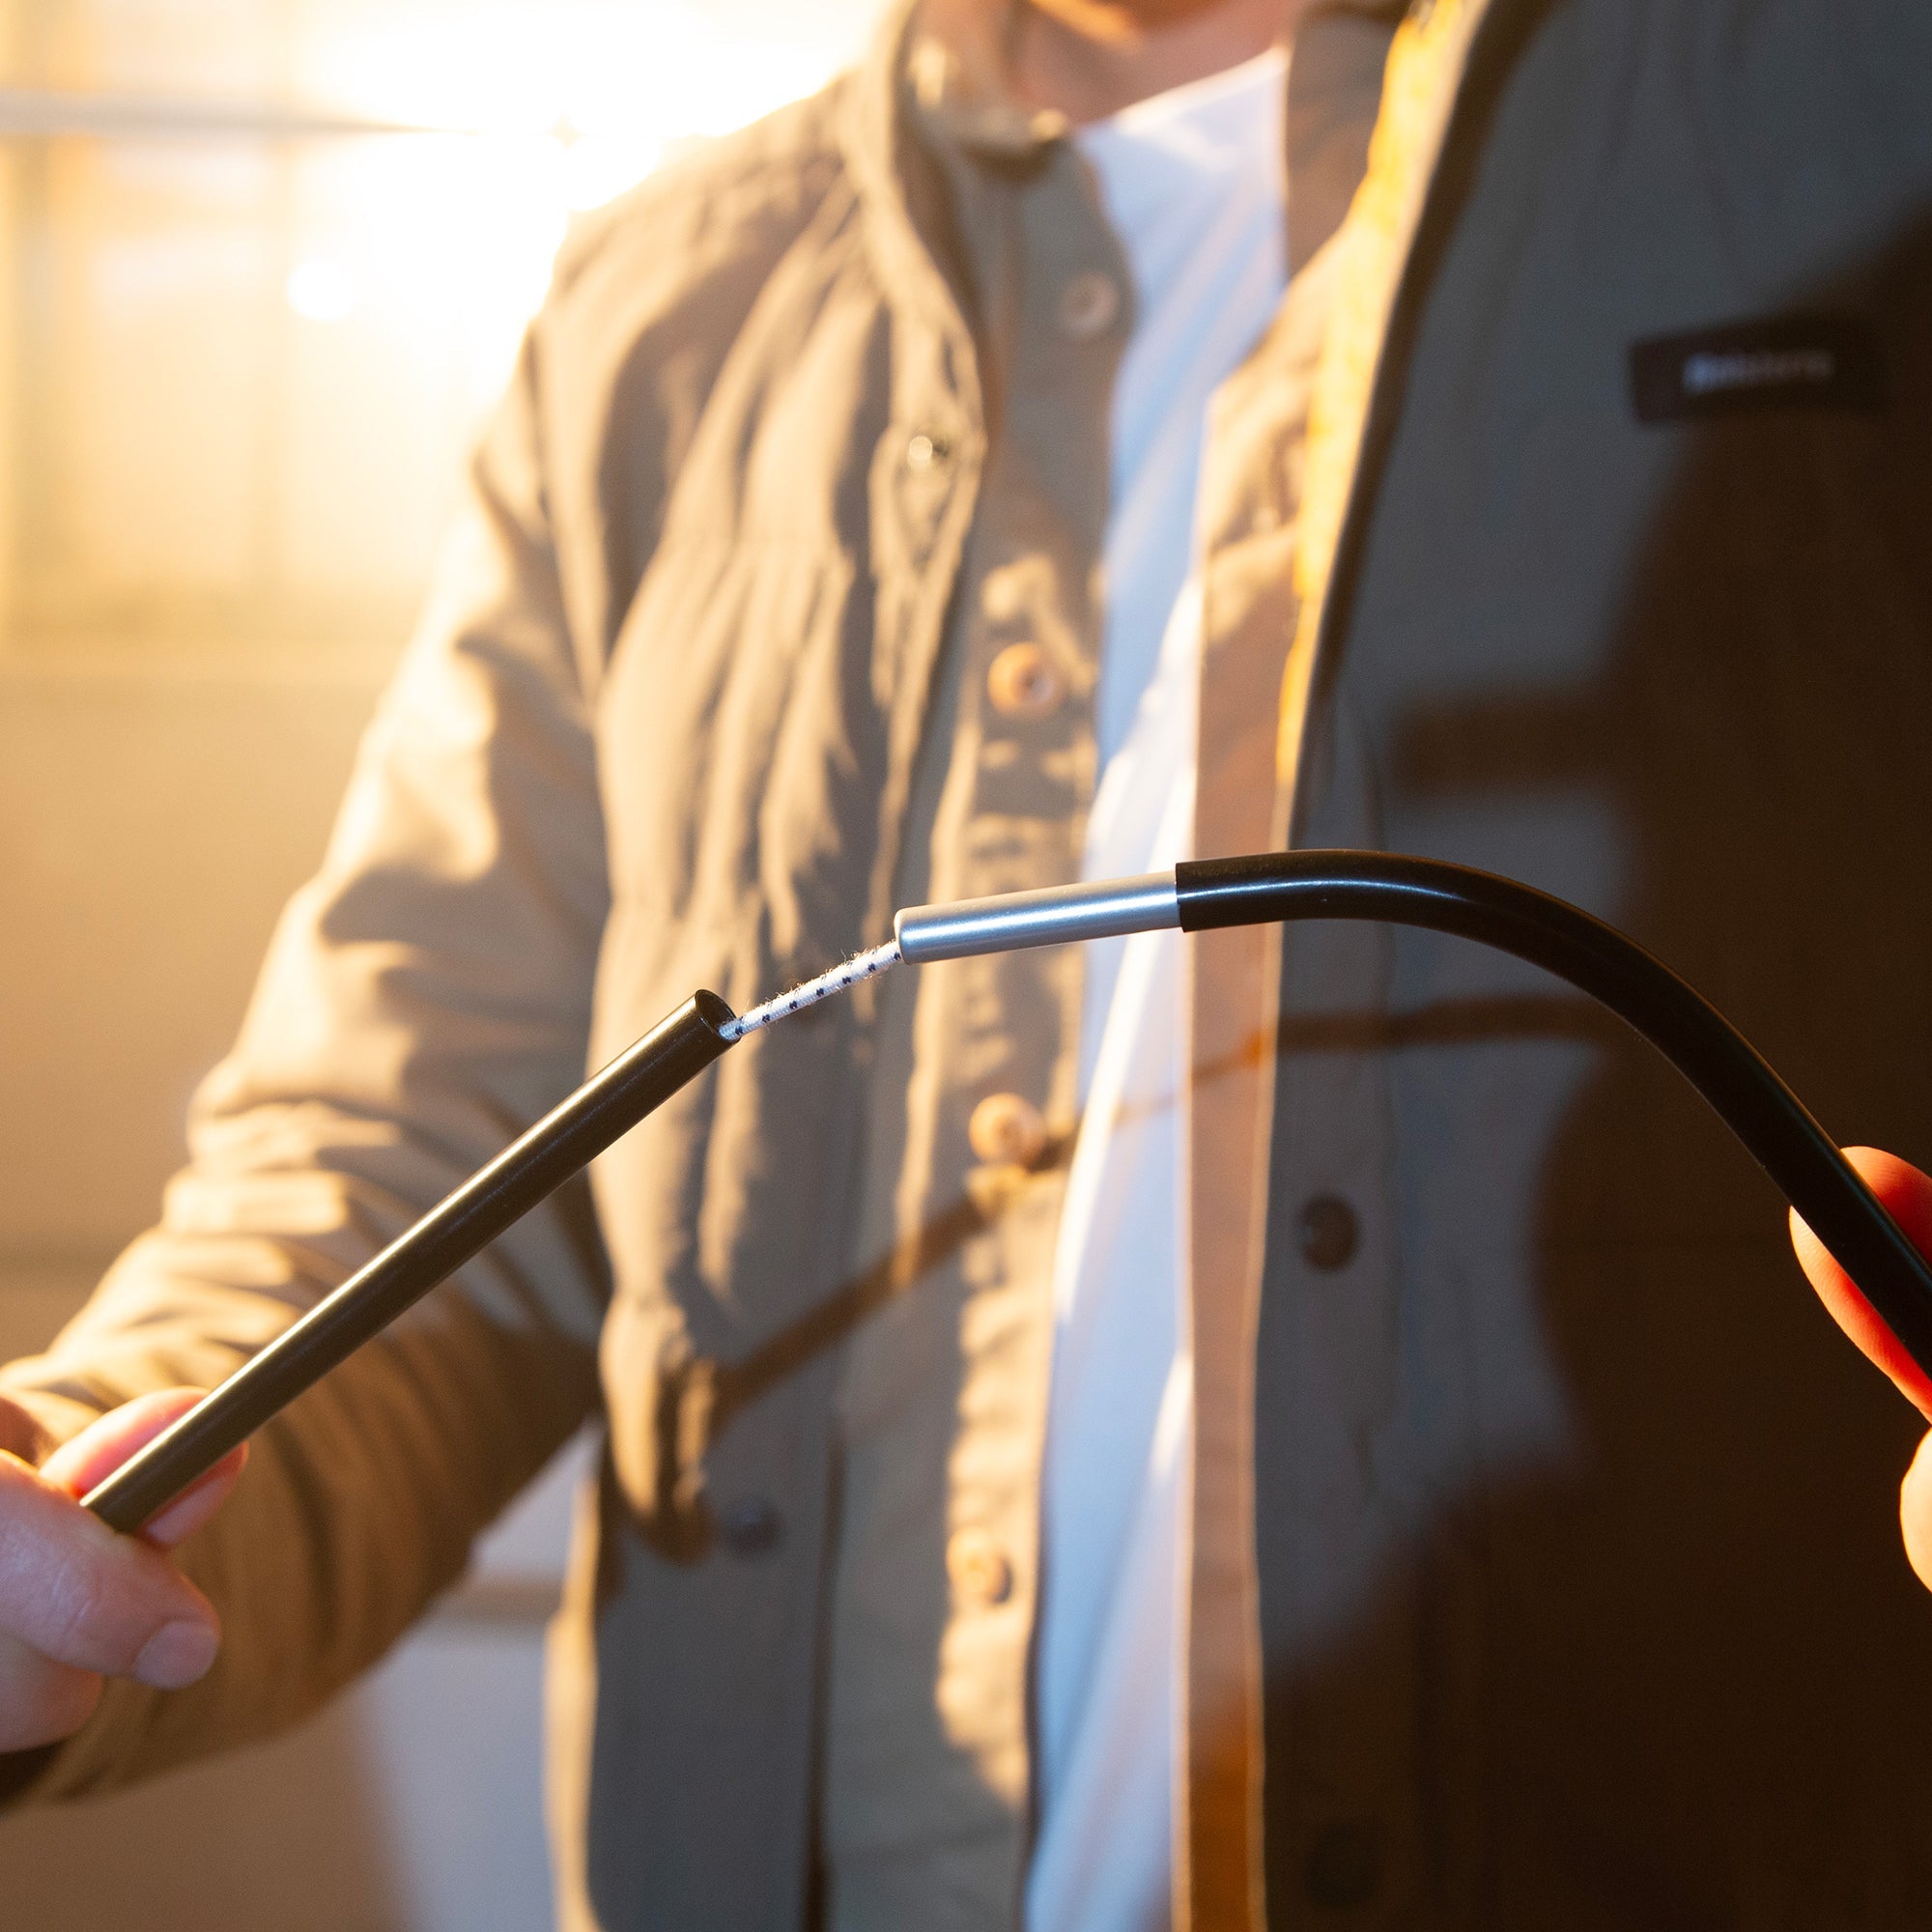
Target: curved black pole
x=1596, y=958
x=1705, y=1047
x=562, y=1144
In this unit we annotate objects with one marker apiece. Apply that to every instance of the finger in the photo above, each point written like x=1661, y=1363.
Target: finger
x=176, y=1522
x=82, y=1595
x=21, y=1434
x=40, y=1701
x=1915, y=1512
x=1907, y=1195
x=99, y=1449
x=103, y=1445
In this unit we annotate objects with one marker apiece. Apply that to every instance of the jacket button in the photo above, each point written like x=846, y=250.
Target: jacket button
x=977, y=1567
x=1344, y=1867
x=750, y=1527
x=1087, y=305
x=1007, y=1130
x=1022, y=682
x=1329, y=1232
x=926, y=452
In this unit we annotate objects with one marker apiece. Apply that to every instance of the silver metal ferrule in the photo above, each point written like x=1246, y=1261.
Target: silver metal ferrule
x=1104, y=910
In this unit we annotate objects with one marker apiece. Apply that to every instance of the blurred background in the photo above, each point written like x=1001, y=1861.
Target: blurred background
x=263, y=266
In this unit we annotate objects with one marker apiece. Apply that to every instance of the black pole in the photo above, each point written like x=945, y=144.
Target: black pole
x=1718, y=1062
x=642, y=1077
x=1598, y=960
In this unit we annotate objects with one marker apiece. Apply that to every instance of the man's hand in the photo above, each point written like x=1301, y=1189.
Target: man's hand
x=1907, y=1196
x=79, y=1603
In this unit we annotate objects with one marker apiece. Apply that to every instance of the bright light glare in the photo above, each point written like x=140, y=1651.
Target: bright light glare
x=321, y=290
x=562, y=107
x=600, y=167
x=271, y=356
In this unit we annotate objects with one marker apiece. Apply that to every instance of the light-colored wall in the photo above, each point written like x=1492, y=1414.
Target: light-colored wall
x=151, y=824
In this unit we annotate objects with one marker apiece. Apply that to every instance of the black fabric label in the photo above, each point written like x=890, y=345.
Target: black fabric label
x=1791, y=362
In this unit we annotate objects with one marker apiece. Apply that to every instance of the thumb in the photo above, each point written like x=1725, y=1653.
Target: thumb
x=1907, y=1195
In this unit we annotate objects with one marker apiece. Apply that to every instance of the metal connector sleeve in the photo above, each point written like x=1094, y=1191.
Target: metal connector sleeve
x=1105, y=910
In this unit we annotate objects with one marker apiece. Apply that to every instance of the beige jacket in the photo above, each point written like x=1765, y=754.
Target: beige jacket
x=1543, y=1570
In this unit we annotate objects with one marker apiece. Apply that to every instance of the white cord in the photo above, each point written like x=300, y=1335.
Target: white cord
x=865, y=966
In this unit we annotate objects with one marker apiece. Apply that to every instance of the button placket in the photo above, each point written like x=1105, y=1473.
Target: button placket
x=1006, y=813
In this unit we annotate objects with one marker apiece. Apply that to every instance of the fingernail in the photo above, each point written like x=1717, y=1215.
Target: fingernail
x=177, y=1654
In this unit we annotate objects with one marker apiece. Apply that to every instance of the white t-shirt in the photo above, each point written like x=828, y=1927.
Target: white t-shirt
x=1192, y=182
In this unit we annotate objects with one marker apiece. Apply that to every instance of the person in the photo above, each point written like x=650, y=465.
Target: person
x=1285, y=1429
